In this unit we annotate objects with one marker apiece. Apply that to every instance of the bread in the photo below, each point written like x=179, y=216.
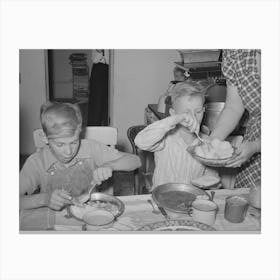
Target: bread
x=206, y=181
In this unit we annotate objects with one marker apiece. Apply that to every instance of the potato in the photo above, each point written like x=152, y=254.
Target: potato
x=217, y=150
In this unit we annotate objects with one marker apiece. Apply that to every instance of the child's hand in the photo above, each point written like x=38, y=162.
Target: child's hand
x=58, y=199
x=189, y=121
x=102, y=173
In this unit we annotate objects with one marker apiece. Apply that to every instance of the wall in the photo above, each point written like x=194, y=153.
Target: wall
x=139, y=77
x=32, y=95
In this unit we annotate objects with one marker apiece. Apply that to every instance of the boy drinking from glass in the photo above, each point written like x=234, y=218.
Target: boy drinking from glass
x=66, y=166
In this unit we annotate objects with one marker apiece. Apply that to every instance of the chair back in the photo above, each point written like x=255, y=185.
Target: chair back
x=131, y=134
x=104, y=134
x=38, y=136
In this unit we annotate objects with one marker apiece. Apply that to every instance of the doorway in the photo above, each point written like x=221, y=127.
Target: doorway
x=72, y=76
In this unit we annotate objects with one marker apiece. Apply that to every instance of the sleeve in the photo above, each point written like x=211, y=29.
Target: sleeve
x=228, y=68
x=29, y=178
x=102, y=153
x=152, y=138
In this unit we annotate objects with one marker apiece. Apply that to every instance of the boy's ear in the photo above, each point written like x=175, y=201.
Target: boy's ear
x=171, y=111
x=43, y=137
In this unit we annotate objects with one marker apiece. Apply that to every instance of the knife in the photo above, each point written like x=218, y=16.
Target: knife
x=163, y=212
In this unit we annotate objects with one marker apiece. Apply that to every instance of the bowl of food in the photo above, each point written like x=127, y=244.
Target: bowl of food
x=215, y=153
x=100, y=210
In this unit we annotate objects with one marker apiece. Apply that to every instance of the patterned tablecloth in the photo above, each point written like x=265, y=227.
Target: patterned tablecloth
x=138, y=212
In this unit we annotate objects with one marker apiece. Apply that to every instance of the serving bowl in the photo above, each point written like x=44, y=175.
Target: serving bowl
x=213, y=162
x=176, y=197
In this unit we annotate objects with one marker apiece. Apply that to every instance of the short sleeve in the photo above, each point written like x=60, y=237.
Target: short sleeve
x=103, y=154
x=228, y=68
x=29, y=178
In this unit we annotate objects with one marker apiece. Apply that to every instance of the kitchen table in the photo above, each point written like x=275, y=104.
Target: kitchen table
x=138, y=212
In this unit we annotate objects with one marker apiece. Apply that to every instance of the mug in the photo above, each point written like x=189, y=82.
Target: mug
x=204, y=211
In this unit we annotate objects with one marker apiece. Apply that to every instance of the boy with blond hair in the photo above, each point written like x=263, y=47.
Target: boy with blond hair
x=66, y=166
x=169, y=138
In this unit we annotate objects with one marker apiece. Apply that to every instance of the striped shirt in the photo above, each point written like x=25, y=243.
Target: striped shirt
x=173, y=163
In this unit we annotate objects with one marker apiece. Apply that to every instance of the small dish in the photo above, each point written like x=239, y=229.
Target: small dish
x=98, y=218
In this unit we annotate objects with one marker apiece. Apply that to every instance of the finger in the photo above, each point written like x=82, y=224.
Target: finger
x=105, y=174
x=65, y=195
x=235, y=163
x=96, y=178
x=61, y=200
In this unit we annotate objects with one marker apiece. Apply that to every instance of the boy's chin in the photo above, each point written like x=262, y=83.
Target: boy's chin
x=66, y=160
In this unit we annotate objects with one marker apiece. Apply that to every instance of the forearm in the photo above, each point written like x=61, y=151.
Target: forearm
x=33, y=201
x=150, y=138
x=226, y=123
x=127, y=162
x=256, y=146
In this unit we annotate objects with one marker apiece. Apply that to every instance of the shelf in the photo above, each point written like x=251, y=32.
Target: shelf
x=199, y=65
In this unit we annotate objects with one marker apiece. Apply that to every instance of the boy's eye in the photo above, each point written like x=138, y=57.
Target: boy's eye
x=59, y=144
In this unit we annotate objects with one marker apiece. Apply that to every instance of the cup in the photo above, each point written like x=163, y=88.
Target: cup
x=255, y=194
x=235, y=209
x=204, y=211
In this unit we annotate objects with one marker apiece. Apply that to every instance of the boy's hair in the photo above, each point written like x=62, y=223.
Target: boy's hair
x=189, y=88
x=60, y=119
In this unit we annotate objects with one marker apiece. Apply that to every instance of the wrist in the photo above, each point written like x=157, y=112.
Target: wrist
x=45, y=201
x=108, y=164
x=256, y=147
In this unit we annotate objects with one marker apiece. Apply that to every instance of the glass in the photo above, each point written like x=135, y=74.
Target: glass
x=255, y=194
x=235, y=209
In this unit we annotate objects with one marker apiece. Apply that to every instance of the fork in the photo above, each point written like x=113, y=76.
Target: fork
x=154, y=209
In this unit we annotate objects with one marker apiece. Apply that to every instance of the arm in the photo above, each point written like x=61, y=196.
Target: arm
x=231, y=114
x=152, y=137
x=127, y=162
x=109, y=160
x=33, y=201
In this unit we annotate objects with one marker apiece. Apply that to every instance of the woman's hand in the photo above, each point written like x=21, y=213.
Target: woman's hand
x=58, y=199
x=243, y=153
x=102, y=173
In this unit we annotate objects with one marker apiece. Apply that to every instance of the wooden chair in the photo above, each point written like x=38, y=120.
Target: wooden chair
x=145, y=170
x=104, y=134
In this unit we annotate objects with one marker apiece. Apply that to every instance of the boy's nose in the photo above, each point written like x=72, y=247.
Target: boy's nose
x=68, y=150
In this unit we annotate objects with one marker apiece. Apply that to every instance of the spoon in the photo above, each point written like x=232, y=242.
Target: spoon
x=84, y=198
x=154, y=209
x=212, y=195
x=200, y=139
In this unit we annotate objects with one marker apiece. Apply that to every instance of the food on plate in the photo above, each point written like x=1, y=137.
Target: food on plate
x=206, y=181
x=215, y=150
x=94, y=205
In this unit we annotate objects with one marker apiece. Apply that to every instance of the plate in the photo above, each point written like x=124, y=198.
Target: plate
x=208, y=161
x=176, y=225
x=98, y=201
x=176, y=197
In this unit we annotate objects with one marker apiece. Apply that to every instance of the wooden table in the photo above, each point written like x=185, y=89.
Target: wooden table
x=138, y=212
